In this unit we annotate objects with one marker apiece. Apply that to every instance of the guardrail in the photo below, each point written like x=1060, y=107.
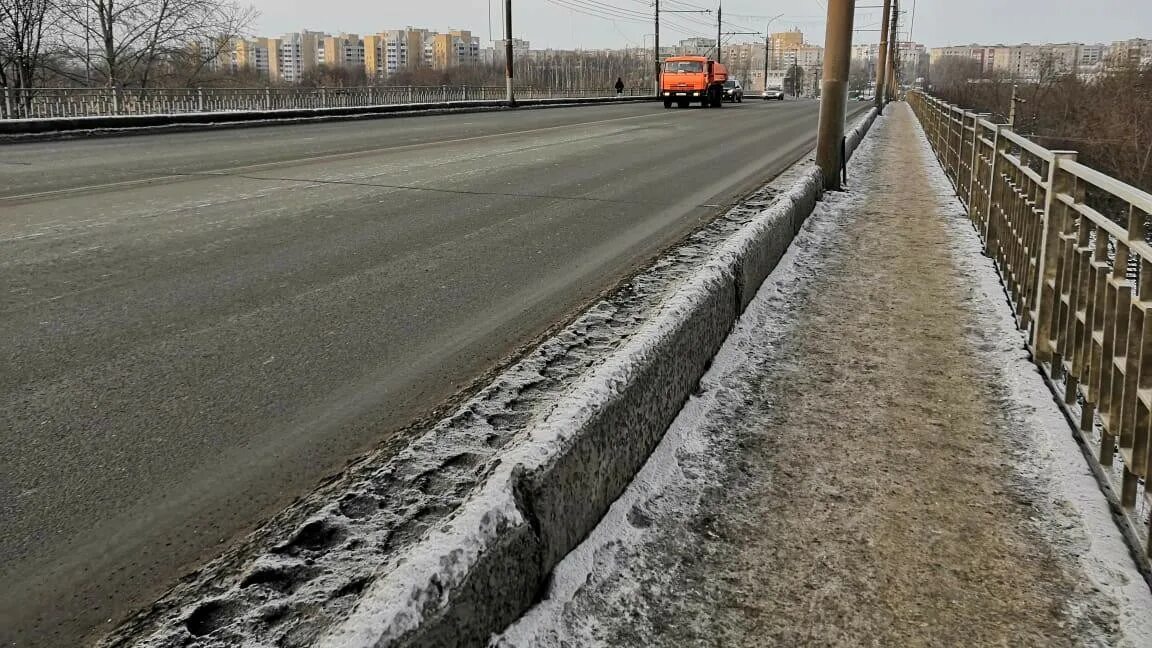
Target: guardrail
x=39, y=103
x=1072, y=247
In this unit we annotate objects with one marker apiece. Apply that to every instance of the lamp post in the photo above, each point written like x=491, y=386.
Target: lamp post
x=767, y=45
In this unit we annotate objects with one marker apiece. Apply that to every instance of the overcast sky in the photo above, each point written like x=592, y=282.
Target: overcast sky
x=566, y=23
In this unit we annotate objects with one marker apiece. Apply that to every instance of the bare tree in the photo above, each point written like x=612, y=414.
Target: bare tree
x=22, y=25
x=859, y=76
x=130, y=41
x=794, y=79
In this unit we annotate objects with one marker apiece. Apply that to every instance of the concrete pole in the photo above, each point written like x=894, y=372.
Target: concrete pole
x=893, y=50
x=767, y=45
x=719, y=13
x=834, y=97
x=882, y=61
x=511, y=96
x=656, y=52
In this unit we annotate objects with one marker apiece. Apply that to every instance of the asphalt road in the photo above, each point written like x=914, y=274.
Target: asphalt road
x=198, y=327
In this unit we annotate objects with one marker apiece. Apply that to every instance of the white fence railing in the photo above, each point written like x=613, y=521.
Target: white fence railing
x=38, y=103
x=1072, y=248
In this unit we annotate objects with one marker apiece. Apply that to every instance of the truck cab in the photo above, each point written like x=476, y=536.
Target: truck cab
x=687, y=79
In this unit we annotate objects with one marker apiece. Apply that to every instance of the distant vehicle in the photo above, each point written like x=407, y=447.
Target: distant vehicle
x=686, y=79
x=733, y=91
x=772, y=93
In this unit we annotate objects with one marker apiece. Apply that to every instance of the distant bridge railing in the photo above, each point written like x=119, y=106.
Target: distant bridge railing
x=38, y=103
x=1072, y=247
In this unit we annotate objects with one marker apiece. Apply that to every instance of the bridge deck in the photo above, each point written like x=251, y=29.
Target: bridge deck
x=873, y=460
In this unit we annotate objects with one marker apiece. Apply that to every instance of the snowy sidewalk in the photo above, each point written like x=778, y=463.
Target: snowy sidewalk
x=871, y=461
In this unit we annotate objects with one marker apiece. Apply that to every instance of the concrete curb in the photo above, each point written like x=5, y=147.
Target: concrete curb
x=481, y=570
x=27, y=130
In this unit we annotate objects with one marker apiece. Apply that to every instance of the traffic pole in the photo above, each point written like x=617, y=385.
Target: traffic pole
x=834, y=94
x=511, y=96
x=882, y=60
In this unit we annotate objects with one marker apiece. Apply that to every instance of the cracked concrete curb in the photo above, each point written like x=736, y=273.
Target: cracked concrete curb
x=475, y=574
x=34, y=130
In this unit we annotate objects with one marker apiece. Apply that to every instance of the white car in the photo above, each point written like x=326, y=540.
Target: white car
x=772, y=93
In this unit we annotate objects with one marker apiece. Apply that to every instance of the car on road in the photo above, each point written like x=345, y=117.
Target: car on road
x=772, y=93
x=733, y=91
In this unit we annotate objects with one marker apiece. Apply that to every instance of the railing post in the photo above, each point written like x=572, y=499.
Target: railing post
x=267, y=98
x=974, y=168
x=323, y=98
x=8, y=103
x=959, y=150
x=200, y=99
x=444, y=94
x=1046, y=296
x=411, y=94
x=995, y=192
x=465, y=93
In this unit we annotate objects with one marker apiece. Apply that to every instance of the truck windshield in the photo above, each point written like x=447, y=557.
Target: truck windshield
x=674, y=67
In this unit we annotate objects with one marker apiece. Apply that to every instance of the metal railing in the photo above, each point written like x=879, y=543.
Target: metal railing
x=39, y=103
x=1072, y=247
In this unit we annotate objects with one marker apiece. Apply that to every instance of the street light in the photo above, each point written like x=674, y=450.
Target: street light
x=767, y=45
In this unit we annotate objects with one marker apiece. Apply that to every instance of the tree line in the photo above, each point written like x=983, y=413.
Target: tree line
x=1107, y=118
x=115, y=43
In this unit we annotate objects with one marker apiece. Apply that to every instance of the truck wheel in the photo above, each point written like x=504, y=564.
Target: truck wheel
x=667, y=104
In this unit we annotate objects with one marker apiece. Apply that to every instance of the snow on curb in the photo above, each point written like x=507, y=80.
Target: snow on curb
x=475, y=574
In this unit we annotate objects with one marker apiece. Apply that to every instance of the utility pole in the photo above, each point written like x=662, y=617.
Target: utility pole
x=656, y=53
x=719, y=22
x=893, y=50
x=882, y=61
x=834, y=98
x=511, y=96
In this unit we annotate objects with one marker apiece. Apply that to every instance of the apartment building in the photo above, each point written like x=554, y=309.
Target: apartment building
x=251, y=54
x=781, y=42
x=1033, y=62
x=455, y=48
x=1134, y=52
x=871, y=51
x=299, y=53
x=343, y=51
x=696, y=47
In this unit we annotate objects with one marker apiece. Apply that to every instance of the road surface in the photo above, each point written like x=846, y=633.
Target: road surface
x=198, y=327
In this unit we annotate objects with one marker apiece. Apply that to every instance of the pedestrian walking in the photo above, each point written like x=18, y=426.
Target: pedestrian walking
x=619, y=85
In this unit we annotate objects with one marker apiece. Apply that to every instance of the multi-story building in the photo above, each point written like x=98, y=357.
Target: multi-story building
x=782, y=42
x=696, y=47
x=871, y=51
x=343, y=51
x=454, y=49
x=495, y=54
x=299, y=54
x=251, y=55
x=1135, y=52
x=985, y=55
x=1036, y=62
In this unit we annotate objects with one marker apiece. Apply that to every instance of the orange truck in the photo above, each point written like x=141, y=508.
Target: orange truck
x=685, y=79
